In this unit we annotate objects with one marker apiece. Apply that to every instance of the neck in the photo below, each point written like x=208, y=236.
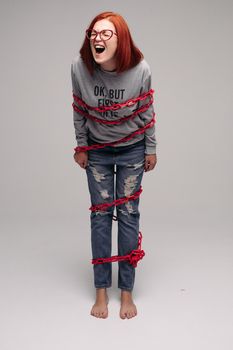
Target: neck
x=109, y=66
x=107, y=70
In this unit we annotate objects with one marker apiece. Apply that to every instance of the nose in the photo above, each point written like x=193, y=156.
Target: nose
x=98, y=34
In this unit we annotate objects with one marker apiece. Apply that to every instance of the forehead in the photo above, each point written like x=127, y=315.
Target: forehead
x=103, y=24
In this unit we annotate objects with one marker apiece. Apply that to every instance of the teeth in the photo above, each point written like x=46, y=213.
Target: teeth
x=100, y=46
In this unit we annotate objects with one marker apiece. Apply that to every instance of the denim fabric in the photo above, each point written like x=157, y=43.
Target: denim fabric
x=112, y=173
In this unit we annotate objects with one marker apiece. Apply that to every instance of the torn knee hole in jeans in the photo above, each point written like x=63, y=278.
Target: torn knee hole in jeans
x=104, y=194
x=122, y=211
x=130, y=184
x=102, y=213
x=97, y=175
x=136, y=165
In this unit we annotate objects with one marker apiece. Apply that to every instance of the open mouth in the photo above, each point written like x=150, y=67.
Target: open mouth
x=99, y=48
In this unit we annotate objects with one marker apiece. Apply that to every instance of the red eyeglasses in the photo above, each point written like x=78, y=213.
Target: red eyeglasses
x=105, y=34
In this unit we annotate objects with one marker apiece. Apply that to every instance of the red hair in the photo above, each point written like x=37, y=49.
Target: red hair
x=127, y=54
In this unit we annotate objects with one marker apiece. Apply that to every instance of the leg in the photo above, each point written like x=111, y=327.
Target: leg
x=130, y=169
x=101, y=187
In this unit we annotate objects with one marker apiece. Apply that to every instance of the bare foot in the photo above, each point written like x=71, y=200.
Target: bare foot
x=128, y=308
x=100, y=308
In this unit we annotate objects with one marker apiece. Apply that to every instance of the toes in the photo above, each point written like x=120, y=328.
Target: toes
x=99, y=314
x=103, y=314
x=131, y=314
x=122, y=315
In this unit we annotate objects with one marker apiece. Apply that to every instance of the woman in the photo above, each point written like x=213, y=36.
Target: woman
x=115, y=133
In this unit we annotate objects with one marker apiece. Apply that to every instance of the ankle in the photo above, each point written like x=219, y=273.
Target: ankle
x=126, y=294
x=101, y=292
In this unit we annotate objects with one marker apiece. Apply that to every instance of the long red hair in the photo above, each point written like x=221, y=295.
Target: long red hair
x=127, y=54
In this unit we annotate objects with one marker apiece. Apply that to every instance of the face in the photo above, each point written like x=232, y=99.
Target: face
x=106, y=59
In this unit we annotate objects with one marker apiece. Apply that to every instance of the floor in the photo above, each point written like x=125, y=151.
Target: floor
x=183, y=289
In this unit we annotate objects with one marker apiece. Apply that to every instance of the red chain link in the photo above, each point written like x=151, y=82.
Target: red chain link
x=136, y=254
x=124, y=139
x=133, y=257
x=115, y=106
x=143, y=108
x=104, y=206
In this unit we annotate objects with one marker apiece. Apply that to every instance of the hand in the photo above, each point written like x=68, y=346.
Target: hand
x=150, y=161
x=81, y=158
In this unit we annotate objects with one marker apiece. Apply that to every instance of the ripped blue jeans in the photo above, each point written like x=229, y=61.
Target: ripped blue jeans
x=112, y=173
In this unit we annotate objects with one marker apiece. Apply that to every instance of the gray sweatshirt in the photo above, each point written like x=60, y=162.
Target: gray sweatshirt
x=105, y=88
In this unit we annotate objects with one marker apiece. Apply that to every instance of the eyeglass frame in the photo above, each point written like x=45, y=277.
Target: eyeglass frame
x=97, y=32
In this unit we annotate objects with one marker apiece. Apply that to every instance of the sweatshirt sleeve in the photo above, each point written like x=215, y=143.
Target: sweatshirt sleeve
x=150, y=138
x=81, y=130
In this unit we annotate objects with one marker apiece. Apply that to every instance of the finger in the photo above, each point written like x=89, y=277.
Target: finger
x=151, y=167
x=85, y=163
x=146, y=166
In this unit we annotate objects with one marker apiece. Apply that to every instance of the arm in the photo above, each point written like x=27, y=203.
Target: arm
x=147, y=116
x=150, y=138
x=81, y=130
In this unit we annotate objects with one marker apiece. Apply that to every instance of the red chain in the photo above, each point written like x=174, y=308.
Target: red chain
x=104, y=206
x=134, y=256
x=115, y=106
x=124, y=139
x=143, y=108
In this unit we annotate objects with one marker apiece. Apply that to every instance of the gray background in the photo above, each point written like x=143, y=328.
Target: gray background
x=183, y=287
